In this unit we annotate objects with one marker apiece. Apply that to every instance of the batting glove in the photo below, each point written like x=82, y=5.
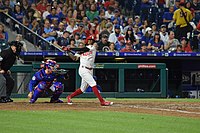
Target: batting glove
x=64, y=48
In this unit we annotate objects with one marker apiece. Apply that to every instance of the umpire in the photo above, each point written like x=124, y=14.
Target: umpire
x=7, y=59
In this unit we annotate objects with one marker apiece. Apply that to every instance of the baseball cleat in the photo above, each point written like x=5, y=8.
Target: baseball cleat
x=2, y=100
x=106, y=103
x=9, y=100
x=69, y=101
x=32, y=101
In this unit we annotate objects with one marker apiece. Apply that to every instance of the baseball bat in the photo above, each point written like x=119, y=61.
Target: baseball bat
x=60, y=48
x=70, y=53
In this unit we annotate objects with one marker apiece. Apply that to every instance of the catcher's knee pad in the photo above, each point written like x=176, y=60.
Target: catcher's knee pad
x=41, y=86
x=57, y=87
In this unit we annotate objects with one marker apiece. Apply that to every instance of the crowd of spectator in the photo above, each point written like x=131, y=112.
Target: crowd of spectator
x=116, y=25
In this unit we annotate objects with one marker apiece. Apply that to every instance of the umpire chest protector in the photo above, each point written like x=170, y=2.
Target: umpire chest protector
x=9, y=59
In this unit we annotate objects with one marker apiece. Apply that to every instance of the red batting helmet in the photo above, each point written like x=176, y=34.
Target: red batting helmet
x=91, y=37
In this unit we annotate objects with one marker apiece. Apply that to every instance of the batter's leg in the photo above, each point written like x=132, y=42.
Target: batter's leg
x=77, y=92
x=88, y=78
x=98, y=95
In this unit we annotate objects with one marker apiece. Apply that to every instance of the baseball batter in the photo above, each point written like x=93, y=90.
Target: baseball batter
x=87, y=58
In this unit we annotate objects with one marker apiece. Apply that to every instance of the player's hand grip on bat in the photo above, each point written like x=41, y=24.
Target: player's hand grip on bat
x=65, y=48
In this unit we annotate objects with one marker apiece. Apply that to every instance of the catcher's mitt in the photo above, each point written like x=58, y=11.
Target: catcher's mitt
x=62, y=72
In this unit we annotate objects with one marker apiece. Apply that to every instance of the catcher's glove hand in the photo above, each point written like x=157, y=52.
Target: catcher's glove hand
x=62, y=72
x=30, y=94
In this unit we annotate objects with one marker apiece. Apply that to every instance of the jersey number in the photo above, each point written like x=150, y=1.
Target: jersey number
x=181, y=14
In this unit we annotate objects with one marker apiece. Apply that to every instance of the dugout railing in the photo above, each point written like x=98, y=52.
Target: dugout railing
x=119, y=80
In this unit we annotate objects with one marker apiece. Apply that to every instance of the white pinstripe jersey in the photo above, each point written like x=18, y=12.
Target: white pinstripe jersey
x=87, y=59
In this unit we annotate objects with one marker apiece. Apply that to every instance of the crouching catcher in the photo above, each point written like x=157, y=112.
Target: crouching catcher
x=44, y=83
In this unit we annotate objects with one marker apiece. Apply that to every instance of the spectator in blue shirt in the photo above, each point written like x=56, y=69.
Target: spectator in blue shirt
x=156, y=44
x=63, y=13
x=176, y=5
x=48, y=33
x=120, y=44
x=116, y=16
x=137, y=21
x=145, y=6
x=148, y=35
x=18, y=15
x=168, y=16
x=53, y=16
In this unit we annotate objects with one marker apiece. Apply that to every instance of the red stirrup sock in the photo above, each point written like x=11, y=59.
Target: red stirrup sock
x=76, y=93
x=96, y=92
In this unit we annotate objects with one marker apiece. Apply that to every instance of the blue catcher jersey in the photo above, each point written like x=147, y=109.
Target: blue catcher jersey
x=41, y=76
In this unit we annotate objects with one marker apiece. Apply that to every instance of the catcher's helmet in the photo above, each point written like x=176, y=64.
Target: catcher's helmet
x=50, y=63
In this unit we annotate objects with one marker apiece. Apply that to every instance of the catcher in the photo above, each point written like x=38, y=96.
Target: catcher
x=44, y=83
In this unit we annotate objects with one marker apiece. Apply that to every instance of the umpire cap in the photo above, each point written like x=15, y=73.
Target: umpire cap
x=18, y=46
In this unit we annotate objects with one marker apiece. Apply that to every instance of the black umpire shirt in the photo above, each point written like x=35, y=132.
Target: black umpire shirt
x=9, y=59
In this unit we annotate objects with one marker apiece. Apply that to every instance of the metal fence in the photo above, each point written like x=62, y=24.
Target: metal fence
x=33, y=37
x=21, y=82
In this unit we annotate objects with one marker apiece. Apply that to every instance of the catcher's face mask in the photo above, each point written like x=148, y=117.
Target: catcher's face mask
x=51, y=65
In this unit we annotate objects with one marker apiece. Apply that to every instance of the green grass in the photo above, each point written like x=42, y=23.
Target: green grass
x=93, y=122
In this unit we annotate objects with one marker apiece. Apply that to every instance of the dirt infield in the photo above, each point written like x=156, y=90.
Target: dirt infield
x=165, y=108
